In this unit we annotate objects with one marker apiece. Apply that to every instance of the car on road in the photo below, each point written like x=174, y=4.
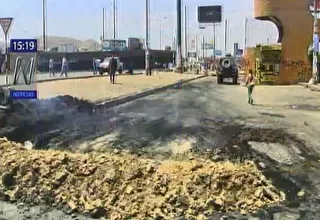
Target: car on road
x=227, y=68
x=104, y=65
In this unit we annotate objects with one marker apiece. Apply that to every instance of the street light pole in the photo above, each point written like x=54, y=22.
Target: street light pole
x=245, y=32
x=225, y=36
x=186, y=31
x=114, y=19
x=160, y=27
x=44, y=23
x=103, y=23
x=214, y=41
x=314, y=78
x=147, y=55
x=179, y=30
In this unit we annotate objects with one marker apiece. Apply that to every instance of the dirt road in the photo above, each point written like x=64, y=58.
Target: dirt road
x=279, y=133
x=95, y=89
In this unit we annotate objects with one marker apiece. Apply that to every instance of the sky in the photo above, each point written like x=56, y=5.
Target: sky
x=82, y=19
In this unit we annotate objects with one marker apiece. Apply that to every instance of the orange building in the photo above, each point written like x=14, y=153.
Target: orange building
x=294, y=22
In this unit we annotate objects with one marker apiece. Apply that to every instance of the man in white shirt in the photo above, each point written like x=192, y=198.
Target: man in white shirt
x=250, y=83
x=96, y=64
x=51, y=71
x=64, y=67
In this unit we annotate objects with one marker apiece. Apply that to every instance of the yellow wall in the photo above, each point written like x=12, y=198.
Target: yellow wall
x=297, y=23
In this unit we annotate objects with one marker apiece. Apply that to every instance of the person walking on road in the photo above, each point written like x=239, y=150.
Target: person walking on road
x=94, y=66
x=96, y=63
x=51, y=70
x=64, y=67
x=250, y=83
x=112, y=69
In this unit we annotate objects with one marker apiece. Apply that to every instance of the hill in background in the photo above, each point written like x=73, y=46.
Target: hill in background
x=55, y=41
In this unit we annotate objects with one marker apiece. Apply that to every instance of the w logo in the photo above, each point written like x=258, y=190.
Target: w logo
x=24, y=69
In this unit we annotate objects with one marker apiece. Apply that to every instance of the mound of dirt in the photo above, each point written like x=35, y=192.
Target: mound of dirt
x=37, y=115
x=125, y=187
x=59, y=104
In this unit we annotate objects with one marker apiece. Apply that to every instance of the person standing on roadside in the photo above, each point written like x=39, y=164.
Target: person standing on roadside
x=96, y=64
x=250, y=83
x=51, y=70
x=130, y=69
x=64, y=67
x=113, y=68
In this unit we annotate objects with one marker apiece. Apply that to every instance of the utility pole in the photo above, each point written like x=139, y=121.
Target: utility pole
x=186, y=31
x=174, y=49
x=114, y=19
x=160, y=37
x=214, y=41
x=147, y=55
x=44, y=24
x=103, y=24
x=225, y=36
x=314, y=78
x=179, y=68
x=245, y=33
x=203, y=47
x=197, y=56
x=160, y=27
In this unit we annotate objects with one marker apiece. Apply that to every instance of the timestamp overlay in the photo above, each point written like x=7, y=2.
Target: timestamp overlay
x=23, y=68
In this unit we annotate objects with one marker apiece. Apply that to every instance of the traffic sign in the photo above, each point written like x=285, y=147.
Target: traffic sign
x=5, y=24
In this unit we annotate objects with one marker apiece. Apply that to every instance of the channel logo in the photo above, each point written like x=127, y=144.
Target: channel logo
x=23, y=94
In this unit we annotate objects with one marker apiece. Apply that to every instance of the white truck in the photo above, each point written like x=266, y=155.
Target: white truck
x=104, y=65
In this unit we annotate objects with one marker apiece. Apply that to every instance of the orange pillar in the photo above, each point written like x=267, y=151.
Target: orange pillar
x=295, y=21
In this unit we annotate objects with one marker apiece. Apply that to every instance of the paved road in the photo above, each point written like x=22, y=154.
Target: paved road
x=206, y=117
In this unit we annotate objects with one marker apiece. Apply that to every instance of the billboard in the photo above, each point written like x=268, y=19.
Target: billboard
x=207, y=46
x=210, y=14
x=135, y=44
x=218, y=52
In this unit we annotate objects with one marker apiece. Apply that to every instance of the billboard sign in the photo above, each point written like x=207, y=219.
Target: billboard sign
x=218, y=53
x=210, y=14
x=207, y=46
x=135, y=44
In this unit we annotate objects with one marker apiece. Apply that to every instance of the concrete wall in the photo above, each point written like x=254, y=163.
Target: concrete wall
x=295, y=21
x=80, y=61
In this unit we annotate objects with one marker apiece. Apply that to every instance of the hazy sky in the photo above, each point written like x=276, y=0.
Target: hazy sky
x=82, y=19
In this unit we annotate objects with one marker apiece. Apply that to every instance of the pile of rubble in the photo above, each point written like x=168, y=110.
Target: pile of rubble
x=125, y=187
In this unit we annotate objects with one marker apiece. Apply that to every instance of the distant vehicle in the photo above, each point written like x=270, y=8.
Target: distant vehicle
x=227, y=68
x=104, y=65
